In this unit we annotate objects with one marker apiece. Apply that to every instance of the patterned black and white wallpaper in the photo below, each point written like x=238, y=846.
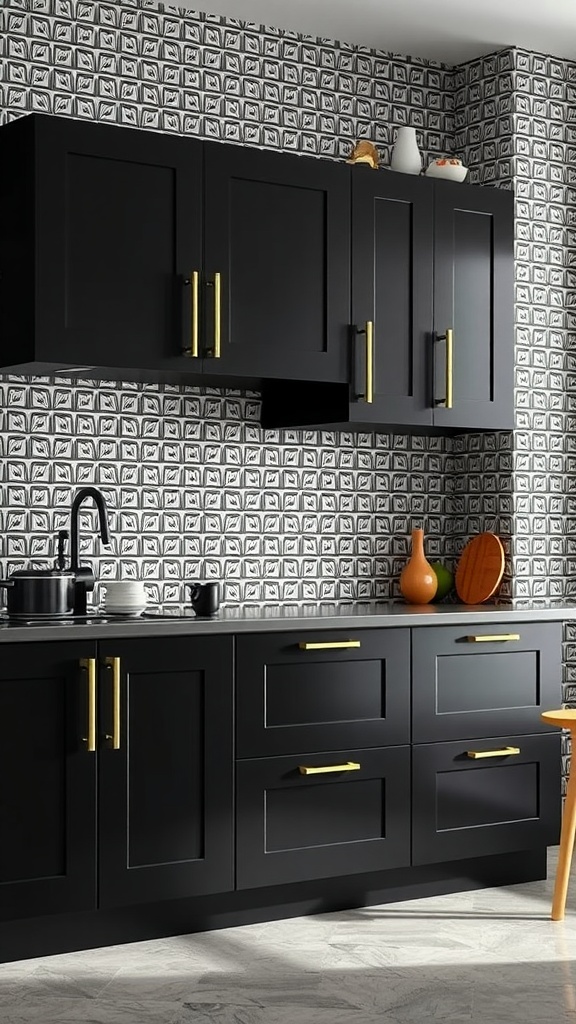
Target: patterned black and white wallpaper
x=193, y=483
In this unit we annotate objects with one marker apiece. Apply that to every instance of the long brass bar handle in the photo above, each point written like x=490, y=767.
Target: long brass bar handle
x=194, y=323
x=89, y=665
x=369, y=362
x=350, y=766
x=193, y=283
x=368, y=330
x=449, y=368
x=217, y=314
x=448, y=400
x=503, y=752
x=489, y=638
x=333, y=645
x=114, y=665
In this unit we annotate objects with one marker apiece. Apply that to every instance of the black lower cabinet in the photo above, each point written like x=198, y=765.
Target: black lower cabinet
x=465, y=805
x=322, y=691
x=166, y=782
x=47, y=780
x=317, y=815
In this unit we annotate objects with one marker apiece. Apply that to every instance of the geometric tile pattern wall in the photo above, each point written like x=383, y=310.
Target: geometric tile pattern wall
x=195, y=488
x=545, y=438
x=515, y=120
x=198, y=74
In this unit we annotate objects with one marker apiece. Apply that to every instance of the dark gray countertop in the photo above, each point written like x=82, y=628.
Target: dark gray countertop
x=273, y=618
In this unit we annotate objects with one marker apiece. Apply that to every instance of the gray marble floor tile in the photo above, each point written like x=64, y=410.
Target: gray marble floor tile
x=486, y=957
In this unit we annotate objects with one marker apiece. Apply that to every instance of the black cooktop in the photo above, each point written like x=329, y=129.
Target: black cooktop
x=99, y=617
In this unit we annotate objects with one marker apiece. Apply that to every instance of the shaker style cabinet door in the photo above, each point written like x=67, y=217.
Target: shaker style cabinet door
x=473, y=301
x=277, y=265
x=392, y=225
x=47, y=779
x=322, y=814
x=486, y=680
x=479, y=797
x=322, y=690
x=165, y=785
x=94, y=268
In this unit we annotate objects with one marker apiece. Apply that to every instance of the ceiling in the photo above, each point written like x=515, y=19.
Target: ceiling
x=451, y=31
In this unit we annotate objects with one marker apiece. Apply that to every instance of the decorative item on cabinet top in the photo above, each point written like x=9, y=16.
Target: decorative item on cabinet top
x=405, y=154
x=448, y=167
x=364, y=152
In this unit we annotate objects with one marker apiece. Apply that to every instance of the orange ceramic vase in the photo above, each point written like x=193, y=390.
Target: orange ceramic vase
x=418, y=581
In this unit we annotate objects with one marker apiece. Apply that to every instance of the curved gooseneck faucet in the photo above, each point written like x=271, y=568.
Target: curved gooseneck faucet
x=84, y=577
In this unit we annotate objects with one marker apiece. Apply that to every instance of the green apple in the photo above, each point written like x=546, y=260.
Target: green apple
x=445, y=580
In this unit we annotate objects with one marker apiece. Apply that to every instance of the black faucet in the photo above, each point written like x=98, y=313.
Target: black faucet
x=84, y=575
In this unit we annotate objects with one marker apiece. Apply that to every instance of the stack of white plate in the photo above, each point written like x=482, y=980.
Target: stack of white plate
x=125, y=597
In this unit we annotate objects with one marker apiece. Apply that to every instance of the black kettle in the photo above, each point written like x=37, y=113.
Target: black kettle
x=42, y=593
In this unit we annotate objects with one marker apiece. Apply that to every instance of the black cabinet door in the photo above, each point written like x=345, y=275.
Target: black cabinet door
x=293, y=826
x=277, y=265
x=392, y=239
x=322, y=691
x=473, y=297
x=115, y=234
x=165, y=792
x=47, y=779
x=471, y=807
x=487, y=680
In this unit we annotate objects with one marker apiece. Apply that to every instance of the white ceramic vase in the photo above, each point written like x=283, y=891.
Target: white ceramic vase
x=406, y=155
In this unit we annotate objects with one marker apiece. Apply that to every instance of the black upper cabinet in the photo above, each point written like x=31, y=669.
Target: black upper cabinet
x=431, y=335
x=352, y=297
x=47, y=780
x=278, y=235
x=166, y=258
x=473, y=297
x=392, y=276
x=101, y=227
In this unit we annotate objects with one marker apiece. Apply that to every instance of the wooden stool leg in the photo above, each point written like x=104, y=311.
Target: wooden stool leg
x=566, y=842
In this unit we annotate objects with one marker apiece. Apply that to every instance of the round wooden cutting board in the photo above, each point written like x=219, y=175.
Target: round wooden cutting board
x=480, y=568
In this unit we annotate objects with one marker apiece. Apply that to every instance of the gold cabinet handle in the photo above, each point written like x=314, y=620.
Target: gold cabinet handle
x=368, y=330
x=503, y=752
x=216, y=284
x=369, y=362
x=449, y=368
x=488, y=638
x=193, y=282
x=113, y=664
x=448, y=401
x=350, y=766
x=217, y=315
x=330, y=645
x=89, y=666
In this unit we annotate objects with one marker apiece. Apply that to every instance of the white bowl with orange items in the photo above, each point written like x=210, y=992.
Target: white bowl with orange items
x=447, y=167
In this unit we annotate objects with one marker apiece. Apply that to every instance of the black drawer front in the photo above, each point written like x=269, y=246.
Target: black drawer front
x=292, y=827
x=466, y=807
x=484, y=688
x=290, y=699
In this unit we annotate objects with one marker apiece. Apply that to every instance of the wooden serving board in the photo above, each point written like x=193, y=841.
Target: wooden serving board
x=480, y=568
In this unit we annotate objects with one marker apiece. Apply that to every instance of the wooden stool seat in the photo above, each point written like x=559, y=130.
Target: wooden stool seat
x=564, y=718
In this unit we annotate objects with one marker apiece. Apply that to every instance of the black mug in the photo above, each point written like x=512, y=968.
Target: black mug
x=205, y=598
